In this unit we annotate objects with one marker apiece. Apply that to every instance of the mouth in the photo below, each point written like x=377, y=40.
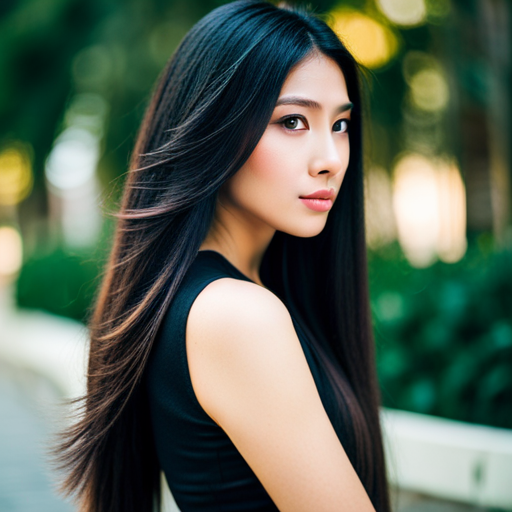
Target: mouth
x=317, y=204
x=319, y=201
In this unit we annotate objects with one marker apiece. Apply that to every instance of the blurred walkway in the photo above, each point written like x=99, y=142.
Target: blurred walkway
x=25, y=481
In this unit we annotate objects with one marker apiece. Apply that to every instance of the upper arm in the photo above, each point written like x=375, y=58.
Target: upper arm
x=249, y=373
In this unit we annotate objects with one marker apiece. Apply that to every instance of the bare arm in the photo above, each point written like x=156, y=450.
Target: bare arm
x=250, y=375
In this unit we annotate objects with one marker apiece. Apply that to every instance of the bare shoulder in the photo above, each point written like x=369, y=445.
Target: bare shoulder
x=235, y=325
x=250, y=375
x=232, y=304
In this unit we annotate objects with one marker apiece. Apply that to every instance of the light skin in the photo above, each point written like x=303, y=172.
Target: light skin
x=247, y=366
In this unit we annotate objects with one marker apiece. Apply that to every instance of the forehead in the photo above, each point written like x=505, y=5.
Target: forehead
x=317, y=77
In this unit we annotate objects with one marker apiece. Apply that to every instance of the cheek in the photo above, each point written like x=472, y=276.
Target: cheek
x=270, y=159
x=265, y=173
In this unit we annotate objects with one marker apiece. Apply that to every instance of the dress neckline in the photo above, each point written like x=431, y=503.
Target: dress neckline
x=223, y=258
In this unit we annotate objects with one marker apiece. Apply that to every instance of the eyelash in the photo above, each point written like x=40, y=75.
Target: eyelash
x=287, y=118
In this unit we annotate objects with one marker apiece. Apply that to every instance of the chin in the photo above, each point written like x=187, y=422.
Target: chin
x=307, y=229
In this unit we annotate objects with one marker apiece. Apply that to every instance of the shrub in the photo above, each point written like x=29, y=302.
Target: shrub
x=444, y=335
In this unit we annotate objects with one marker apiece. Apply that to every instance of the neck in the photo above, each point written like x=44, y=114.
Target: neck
x=240, y=237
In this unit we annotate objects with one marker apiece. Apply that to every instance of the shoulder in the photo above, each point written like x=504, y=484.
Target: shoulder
x=233, y=324
x=239, y=338
x=233, y=304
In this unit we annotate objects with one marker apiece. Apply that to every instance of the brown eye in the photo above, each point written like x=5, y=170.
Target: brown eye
x=292, y=123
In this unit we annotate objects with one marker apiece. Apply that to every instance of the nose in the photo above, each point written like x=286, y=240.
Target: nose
x=330, y=157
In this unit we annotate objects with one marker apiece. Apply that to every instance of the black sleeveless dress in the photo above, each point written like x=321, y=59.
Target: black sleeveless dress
x=203, y=468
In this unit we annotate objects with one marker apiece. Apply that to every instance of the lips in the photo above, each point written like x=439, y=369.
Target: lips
x=319, y=201
x=321, y=194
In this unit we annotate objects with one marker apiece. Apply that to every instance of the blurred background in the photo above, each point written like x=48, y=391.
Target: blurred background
x=75, y=78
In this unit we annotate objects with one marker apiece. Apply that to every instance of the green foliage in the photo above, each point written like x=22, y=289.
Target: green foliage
x=59, y=282
x=444, y=335
x=64, y=281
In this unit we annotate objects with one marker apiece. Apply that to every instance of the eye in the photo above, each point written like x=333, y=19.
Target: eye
x=341, y=125
x=294, y=123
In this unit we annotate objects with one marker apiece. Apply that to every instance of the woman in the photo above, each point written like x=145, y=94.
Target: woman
x=231, y=342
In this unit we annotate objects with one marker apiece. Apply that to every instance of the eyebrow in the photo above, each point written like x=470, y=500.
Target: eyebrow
x=305, y=102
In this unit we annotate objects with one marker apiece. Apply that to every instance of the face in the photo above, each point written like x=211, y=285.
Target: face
x=304, y=151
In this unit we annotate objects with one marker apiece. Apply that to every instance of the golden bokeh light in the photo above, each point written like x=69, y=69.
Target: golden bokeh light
x=416, y=209
x=11, y=250
x=430, y=209
x=452, y=242
x=15, y=175
x=372, y=43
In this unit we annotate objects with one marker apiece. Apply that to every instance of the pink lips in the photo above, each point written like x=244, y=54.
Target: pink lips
x=319, y=201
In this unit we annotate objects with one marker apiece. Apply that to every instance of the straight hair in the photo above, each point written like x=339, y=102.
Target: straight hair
x=211, y=105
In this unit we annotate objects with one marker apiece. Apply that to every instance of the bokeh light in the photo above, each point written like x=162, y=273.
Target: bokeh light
x=10, y=250
x=429, y=90
x=430, y=209
x=372, y=43
x=452, y=242
x=72, y=161
x=404, y=12
x=428, y=86
x=15, y=174
x=416, y=208
x=72, y=184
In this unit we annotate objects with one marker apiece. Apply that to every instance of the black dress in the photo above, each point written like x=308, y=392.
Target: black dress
x=203, y=468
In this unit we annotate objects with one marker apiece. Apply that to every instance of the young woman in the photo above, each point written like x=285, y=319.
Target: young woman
x=231, y=342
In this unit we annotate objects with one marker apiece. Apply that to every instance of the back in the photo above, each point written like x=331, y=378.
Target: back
x=203, y=468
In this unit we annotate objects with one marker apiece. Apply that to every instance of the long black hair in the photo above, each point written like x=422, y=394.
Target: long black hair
x=210, y=107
